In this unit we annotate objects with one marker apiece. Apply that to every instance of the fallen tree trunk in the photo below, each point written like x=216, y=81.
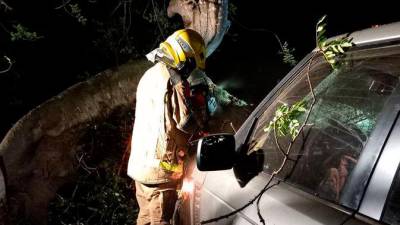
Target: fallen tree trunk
x=39, y=152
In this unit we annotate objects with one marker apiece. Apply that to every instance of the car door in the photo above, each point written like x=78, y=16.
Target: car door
x=381, y=201
x=324, y=177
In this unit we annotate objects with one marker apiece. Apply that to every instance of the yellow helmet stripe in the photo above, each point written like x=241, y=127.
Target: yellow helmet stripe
x=175, y=45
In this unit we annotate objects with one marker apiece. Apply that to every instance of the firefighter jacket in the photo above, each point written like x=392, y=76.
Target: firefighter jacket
x=164, y=123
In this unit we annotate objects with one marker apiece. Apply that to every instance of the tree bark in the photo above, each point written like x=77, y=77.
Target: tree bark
x=208, y=17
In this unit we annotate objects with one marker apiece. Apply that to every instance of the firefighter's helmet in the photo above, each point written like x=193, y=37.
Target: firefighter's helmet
x=182, y=46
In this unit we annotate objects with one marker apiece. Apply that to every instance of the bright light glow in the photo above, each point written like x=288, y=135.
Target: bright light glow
x=187, y=186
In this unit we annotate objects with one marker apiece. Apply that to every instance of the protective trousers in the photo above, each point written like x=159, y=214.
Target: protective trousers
x=156, y=203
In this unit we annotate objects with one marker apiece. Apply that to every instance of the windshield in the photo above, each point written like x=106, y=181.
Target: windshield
x=345, y=107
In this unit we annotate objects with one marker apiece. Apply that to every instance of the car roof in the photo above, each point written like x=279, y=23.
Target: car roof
x=375, y=34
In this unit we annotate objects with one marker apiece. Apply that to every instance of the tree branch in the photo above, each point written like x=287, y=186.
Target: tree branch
x=260, y=30
x=267, y=187
x=5, y=5
x=158, y=22
x=10, y=64
x=62, y=5
x=4, y=27
x=116, y=8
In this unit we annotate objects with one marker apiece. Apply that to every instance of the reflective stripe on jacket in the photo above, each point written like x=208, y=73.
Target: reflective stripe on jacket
x=163, y=126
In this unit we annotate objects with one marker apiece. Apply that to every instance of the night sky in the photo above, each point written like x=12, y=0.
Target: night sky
x=257, y=65
x=247, y=60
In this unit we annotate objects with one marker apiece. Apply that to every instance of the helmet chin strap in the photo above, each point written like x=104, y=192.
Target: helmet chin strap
x=188, y=67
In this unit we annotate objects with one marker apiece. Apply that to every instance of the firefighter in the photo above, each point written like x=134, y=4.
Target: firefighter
x=166, y=117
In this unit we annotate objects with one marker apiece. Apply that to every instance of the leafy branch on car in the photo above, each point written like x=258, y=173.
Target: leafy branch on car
x=286, y=117
x=285, y=113
x=293, y=113
x=285, y=121
x=332, y=50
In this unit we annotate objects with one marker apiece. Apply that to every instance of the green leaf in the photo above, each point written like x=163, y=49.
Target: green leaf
x=301, y=109
x=320, y=34
x=334, y=48
x=329, y=53
x=340, y=49
x=321, y=20
x=347, y=45
x=320, y=28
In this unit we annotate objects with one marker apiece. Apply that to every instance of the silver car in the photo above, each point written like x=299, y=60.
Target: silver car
x=343, y=168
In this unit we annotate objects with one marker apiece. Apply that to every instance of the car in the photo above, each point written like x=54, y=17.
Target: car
x=339, y=164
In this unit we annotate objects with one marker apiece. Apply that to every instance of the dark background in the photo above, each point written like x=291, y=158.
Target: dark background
x=247, y=63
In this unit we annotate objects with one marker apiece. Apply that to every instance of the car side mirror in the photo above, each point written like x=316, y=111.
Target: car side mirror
x=216, y=152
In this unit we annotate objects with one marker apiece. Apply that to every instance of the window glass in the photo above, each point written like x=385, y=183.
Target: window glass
x=347, y=105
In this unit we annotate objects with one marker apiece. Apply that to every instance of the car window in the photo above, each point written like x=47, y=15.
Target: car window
x=347, y=105
x=391, y=215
